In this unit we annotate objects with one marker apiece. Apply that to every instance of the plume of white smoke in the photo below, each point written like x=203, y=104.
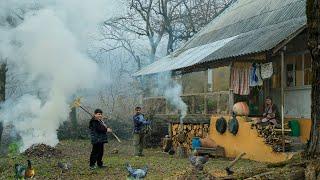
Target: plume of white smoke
x=172, y=91
x=48, y=44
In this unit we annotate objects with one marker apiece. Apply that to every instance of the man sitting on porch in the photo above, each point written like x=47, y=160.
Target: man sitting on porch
x=271, y=113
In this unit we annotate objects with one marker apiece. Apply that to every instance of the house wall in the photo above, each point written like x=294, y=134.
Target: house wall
x=246, y=140
x=297, y=97
x=297, y=103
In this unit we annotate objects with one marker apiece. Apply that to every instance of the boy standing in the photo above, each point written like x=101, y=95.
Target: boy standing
x=138, y=133
x=98, y=132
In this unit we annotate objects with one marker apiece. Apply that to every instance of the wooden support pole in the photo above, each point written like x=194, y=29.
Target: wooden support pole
x=282, y=97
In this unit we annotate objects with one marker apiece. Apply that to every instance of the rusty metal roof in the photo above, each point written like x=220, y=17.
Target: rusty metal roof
x=247, y=26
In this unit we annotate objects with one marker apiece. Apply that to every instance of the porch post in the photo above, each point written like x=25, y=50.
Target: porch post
x=231, y=97
x=282, y=96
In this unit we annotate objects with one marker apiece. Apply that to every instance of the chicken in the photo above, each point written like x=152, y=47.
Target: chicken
x=171, y=151
x=22, y=172
x=29, y=171
x=64, y=166
x=136, y=173
x=198, y=161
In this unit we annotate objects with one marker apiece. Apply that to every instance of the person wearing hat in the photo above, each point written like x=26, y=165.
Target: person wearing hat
x=98, y=134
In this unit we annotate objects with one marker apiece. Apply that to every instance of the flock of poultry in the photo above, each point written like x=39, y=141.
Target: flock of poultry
x=27, y=171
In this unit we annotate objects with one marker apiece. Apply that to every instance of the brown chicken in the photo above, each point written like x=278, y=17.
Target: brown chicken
x=29, y=173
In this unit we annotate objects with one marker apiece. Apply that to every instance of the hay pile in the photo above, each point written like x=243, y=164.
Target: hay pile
x=42, y=150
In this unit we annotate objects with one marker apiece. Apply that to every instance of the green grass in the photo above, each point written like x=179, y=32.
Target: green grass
x=161, y=165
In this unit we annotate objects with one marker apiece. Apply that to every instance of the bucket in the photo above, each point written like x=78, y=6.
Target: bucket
x=196, y=143
x=295, y=128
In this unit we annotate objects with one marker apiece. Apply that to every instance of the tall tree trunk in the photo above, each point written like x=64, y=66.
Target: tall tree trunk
x=313, y=24
x=153, y=53
x=170, y=41
x=3, y=70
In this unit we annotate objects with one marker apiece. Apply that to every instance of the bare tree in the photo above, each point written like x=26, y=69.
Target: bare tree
x=142, y=21
x=313, y=24
x=178, y=20
x=184, y=18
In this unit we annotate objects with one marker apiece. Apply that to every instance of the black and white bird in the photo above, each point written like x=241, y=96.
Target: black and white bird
x=136, y=173
x=198, y=161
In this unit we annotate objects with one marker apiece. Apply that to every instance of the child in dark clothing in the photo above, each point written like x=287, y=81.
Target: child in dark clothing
x=98, y=133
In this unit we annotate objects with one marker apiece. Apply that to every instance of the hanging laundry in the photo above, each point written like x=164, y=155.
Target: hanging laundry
x=266, y=70
x=258, y=74
x=253, y=76
x=240, y=77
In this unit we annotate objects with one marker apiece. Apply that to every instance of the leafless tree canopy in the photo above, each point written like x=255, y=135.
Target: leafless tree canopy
x=176, y=20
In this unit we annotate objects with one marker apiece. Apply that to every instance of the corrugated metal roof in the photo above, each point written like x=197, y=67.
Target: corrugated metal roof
x=185, y=59
x=258, y=25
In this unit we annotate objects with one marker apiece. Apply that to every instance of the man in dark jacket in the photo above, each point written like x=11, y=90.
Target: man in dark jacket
x=138, y=132
x=98, y=132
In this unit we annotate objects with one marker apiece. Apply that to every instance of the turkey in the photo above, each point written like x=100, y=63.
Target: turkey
x=198, y=161
x=136, y=173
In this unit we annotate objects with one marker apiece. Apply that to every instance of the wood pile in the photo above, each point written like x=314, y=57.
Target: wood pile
x=189, y=131
x=273, y=137
x=214, y=152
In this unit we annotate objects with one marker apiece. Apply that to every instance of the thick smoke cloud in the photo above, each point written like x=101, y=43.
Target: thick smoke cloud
x=47, y=42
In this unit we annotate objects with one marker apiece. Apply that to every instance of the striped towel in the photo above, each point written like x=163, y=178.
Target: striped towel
x=240, y=79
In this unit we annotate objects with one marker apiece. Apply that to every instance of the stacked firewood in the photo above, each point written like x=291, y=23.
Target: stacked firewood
x=273, y=137
x=185, y=134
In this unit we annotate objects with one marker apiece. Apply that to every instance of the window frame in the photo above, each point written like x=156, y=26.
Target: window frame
x=302, y=54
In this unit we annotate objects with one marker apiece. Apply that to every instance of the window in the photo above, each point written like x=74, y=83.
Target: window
x=218, y=79
x=298, y=70
x=194, y=82
x=294, y=73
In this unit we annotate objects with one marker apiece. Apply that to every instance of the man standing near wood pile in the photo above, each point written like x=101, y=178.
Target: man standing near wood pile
x=138, y=132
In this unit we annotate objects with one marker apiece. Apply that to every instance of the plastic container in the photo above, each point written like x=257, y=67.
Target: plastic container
x=295, y=128
x=196, y=143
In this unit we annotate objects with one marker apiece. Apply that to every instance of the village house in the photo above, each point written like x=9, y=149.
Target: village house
x=214, y=70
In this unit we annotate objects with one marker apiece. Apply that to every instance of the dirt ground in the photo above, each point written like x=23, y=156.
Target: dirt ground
x=161, y=165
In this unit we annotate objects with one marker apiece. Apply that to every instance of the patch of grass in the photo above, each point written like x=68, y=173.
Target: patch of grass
x=161, y=165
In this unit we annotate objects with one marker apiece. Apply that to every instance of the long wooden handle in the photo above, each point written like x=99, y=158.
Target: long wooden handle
x=235, y=160
x=92, y=116
x=116, y=137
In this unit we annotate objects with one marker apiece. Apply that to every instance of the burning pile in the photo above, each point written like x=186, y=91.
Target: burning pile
x=42, y=150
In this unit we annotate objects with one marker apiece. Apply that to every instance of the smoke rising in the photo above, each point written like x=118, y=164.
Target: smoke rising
x=47, y=42
x=172, y=91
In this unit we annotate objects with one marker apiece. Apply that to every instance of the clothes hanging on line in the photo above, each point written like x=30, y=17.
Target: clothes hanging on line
x=255, y=76
x=240, y=77
x=266, y=70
